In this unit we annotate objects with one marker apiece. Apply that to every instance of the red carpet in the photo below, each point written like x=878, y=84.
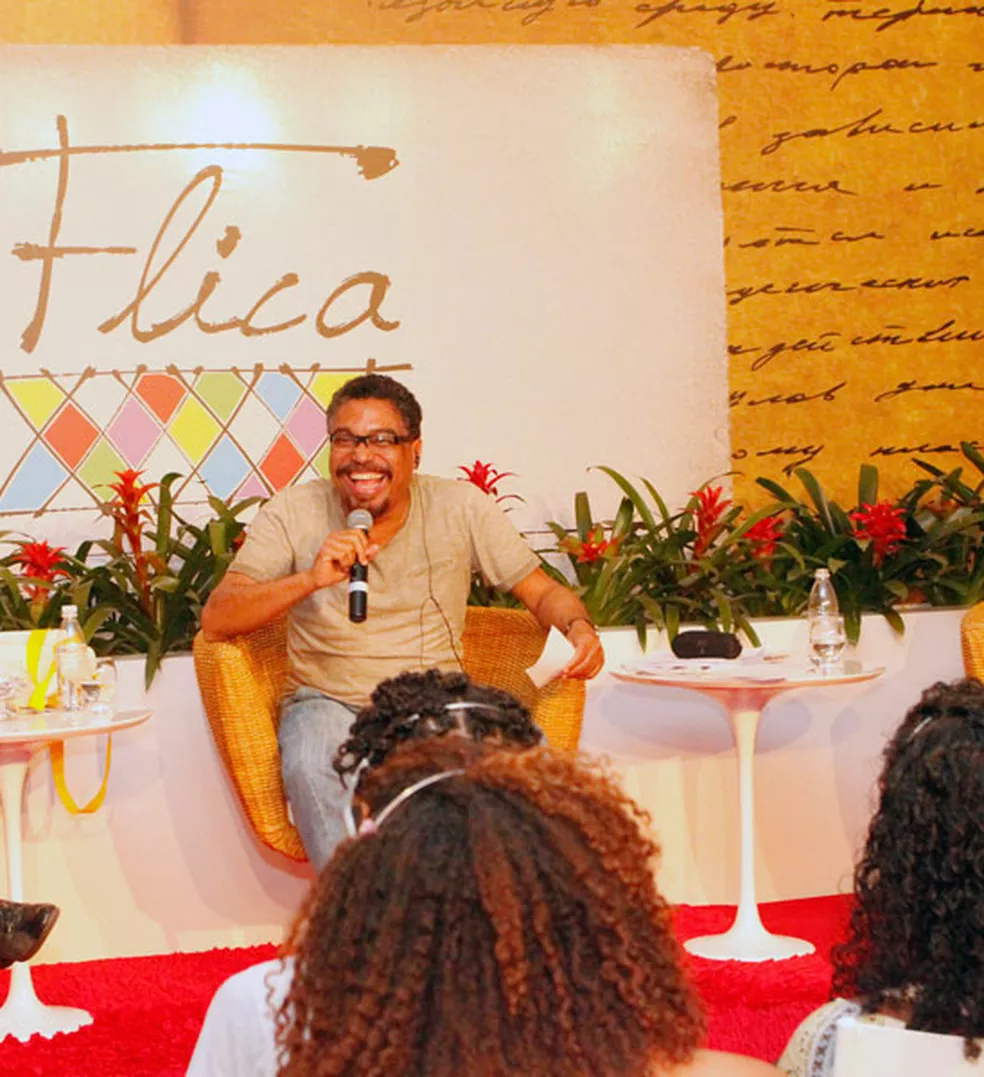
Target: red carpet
x=148, y=1009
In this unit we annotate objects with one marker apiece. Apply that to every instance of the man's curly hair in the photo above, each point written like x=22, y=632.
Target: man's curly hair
x=414, y=705
x=916, y=935
x=378, y=387
x=502, y=920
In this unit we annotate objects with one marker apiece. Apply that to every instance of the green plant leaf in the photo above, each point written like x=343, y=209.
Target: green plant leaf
x=926, y=466
x=777, y=491
x=658, y=501
x=973, y=455
x=624, y=519
x=582, y=516
x=95, y=619
x=867, y=485
x=167, y=584
x=165, y=502
x=645, y=514
x=897, y=588
x=817, y=496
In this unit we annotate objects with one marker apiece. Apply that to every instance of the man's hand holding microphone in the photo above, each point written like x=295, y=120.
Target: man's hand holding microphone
x=346, y=555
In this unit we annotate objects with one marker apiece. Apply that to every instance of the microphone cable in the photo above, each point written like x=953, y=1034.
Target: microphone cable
x=431, y=597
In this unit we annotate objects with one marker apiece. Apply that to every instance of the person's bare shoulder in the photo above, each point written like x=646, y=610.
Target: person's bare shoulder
x=721, y=1064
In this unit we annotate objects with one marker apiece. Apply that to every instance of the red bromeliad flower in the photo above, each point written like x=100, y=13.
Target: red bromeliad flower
x=710, y=509
x=487, y=478
x=881, y=524
x=127, y=507
x=593, y=548
x=40, y=562
x=764, y=537
x=130, y=515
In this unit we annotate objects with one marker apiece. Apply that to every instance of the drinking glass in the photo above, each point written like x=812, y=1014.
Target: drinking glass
x=99, y=690
x=11, y=686
x=827, y=642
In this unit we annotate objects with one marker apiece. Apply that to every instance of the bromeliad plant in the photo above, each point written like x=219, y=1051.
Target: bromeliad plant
x=717, y=564
x=713, y=562
x=595, y=554
x=142, y=590
x=680, y=567
x=36, y=580
x=883, y=553
x=487, y=478
x=158, y=569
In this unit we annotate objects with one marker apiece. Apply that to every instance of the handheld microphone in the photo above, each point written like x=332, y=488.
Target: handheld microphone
x=358, y=588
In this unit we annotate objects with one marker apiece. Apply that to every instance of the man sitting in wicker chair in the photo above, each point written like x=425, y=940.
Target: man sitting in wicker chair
x=420, y=541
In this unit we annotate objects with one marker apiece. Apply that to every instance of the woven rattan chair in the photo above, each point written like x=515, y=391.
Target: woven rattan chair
x=972, y=641
x=241, y=681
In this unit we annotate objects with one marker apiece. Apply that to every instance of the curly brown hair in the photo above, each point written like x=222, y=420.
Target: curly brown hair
x=413, y=705
x=503, y=920
x=378, y=387
x=916, y=935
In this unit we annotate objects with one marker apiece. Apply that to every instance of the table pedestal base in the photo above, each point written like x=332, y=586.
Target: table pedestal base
x=24, y=1015
x=738, y=945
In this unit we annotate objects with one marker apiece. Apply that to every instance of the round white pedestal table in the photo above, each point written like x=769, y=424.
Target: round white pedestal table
x=744, y=699
x=23, y=1014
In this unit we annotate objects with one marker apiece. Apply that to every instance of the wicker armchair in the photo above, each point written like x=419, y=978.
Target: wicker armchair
x=972, y=641
x=241, y=682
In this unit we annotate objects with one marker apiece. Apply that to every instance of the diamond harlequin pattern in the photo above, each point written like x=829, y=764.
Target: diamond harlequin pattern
x=71, y=434
x=237, y=433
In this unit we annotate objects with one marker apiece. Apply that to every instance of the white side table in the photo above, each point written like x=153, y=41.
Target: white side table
x=23, y=1014
x=744, y=699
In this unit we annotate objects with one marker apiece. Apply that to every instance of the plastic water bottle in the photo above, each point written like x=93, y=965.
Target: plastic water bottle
x=825, y=624
x=72, y=660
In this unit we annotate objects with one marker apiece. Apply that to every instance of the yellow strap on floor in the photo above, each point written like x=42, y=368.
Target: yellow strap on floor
x=57, y=749
x=35, y=645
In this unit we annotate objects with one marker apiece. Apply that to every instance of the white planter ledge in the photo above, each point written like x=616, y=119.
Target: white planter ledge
x=168, y=863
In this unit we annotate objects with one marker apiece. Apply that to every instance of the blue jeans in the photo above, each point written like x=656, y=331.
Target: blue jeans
x=312, y=726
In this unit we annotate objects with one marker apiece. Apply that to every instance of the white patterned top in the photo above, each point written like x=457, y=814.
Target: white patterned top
x=810, y=1051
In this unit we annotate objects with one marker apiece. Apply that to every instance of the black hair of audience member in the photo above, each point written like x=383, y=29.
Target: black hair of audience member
x=414, y=705
x=916, y=938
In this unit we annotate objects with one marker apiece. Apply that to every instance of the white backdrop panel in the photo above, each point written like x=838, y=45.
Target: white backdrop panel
x=537, y=232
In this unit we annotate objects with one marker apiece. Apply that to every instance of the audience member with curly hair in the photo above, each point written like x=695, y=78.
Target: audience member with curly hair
x=432, y=703
x=497, y=917
x=915, y=951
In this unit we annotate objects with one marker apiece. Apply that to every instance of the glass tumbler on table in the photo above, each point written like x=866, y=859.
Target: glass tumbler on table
x=12, y=684
x=98, y=691
x=827, y=642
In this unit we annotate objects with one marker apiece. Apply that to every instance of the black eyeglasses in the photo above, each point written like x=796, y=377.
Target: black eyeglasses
x=378, y=439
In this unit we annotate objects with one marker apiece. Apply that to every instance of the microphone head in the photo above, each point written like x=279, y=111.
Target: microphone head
x=359, y=518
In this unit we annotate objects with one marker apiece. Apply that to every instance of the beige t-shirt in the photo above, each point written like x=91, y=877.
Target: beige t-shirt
x=418, y=582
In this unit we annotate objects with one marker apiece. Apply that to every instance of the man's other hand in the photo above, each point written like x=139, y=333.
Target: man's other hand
x=588, y=657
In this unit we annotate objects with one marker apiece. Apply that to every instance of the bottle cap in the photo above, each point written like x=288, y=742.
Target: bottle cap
x=69, y=611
